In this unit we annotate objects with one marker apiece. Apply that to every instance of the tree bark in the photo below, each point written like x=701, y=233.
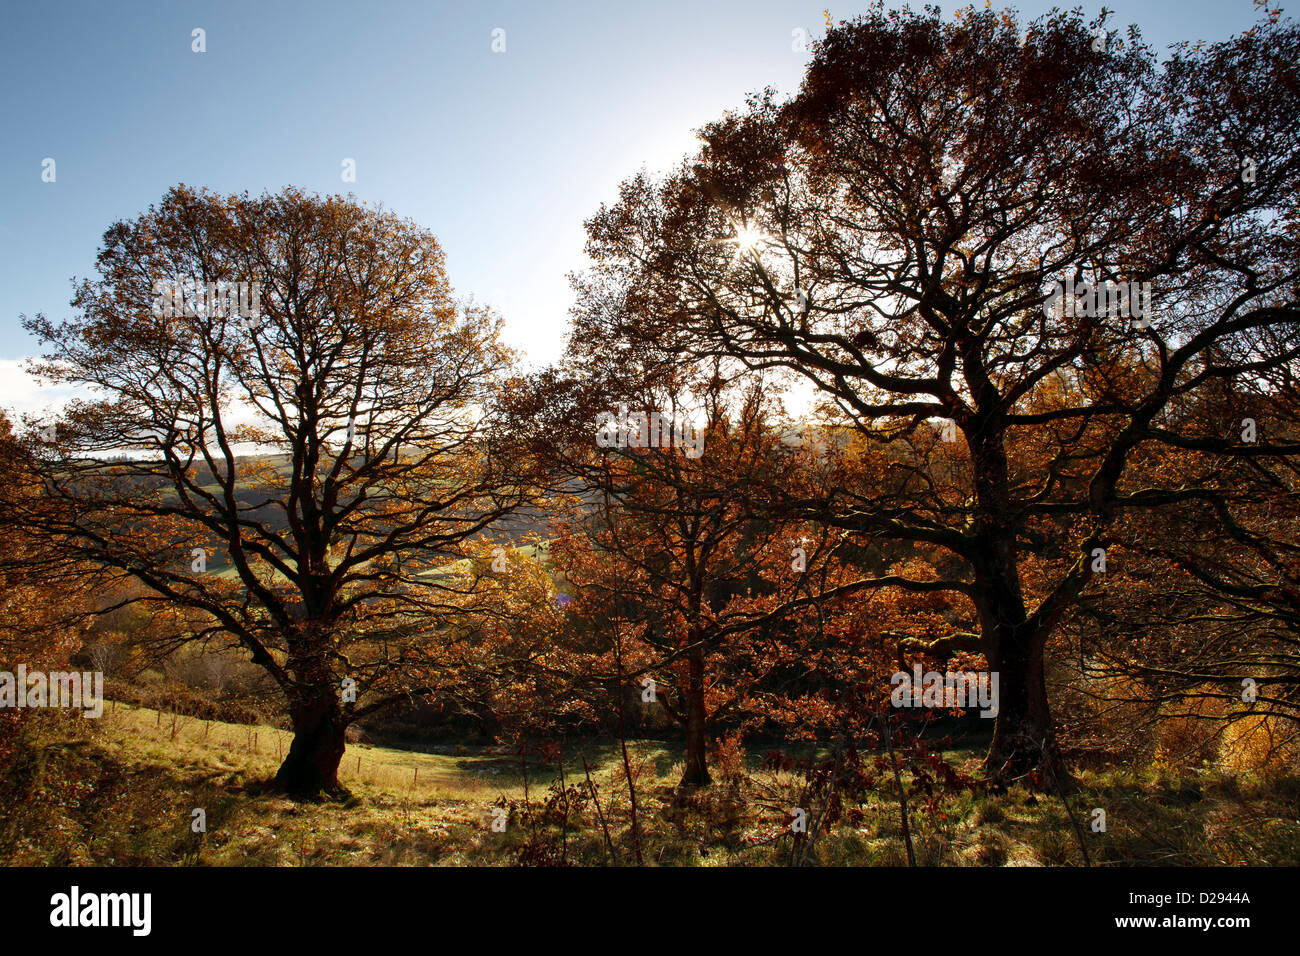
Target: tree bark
x=696, y=773
x=311, y=768
x=1024, y=746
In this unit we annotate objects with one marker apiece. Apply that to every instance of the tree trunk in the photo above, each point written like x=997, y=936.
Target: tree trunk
x=311, y=768
x=1024, y=746
x=696, y=773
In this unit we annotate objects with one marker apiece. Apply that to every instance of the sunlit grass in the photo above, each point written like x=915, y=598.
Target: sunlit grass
x=122, y=790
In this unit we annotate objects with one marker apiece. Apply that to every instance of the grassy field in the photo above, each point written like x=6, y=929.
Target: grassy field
x=122, y=790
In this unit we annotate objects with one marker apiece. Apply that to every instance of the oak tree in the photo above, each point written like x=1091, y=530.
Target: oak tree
x=287, y=430
x=1000, y=252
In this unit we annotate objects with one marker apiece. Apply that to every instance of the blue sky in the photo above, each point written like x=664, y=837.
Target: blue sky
x=501, y=155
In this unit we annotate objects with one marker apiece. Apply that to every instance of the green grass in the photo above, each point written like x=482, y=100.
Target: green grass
x=122, y=790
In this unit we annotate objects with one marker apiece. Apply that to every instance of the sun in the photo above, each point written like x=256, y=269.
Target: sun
x=747, y=238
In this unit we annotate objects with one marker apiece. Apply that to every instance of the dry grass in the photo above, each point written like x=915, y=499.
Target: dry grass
x=122, y=790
